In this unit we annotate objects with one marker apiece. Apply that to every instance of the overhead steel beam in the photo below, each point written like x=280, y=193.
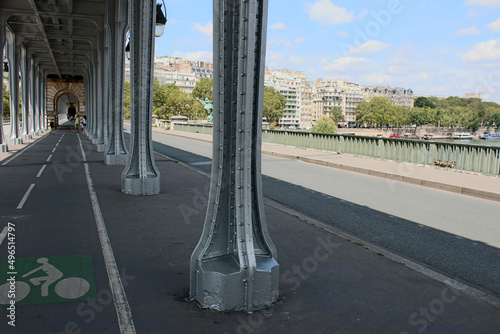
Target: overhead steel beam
x=42, y=30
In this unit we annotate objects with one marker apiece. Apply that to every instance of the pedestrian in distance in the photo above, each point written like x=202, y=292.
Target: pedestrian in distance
x=84, y=123
x=77, y=123
x=52, y=127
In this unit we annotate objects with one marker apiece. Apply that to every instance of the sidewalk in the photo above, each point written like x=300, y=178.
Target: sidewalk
x=329, y=283
x=481, y=186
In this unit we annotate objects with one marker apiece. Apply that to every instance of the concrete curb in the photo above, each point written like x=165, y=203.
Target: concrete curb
x=389, y=176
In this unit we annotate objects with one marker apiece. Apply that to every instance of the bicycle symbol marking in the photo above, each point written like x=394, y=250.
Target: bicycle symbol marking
x=68, y=288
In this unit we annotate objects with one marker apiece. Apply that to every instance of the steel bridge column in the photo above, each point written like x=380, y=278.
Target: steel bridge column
x=13, y=54
x=102, y=138
x=234, y=266
x=25, y=93
x=105, y=87
x=34, y=87
x=88, y=110
x=141, y=176
x=116, y=153
x=93, y=97
x=42, y=101
x=33, y=97
x=3, y=144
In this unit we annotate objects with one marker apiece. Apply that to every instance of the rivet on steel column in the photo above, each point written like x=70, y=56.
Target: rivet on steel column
x=234, y=265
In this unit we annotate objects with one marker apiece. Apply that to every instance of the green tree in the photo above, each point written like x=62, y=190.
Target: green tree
x=325, y=125
x=126, y=100
x=204, y=89
x=337, y=115
x=169, y=100
x=274, y=105
x=423, y=102
x=6, y=103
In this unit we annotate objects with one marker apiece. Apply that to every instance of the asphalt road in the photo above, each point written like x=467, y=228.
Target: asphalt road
x=453, y=234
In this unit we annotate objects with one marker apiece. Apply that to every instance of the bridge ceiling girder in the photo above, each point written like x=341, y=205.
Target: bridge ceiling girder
x=60, y=34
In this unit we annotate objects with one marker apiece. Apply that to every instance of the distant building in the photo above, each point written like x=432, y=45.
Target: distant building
x=398, y=96
x=288, y=83
x=181, y=72
x=336, y=93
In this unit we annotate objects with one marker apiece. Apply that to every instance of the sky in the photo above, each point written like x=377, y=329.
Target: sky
x=434, y=47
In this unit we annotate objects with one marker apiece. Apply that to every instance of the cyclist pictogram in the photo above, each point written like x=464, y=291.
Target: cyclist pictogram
x=51, y=280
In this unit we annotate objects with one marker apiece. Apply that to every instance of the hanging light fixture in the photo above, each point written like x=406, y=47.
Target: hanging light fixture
x=161, y=19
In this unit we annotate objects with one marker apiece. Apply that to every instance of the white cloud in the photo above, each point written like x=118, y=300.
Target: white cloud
x=278, y=26
x=495, y=26
x=206, y=30
x=467, y=31
x=484, y=52
x=369, y=47
x=490, y=3
x=348, y=63
x=343, y=34
x=327, y=13
x=195, y=56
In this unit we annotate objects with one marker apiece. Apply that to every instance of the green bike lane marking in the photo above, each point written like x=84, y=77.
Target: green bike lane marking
x=51, y=279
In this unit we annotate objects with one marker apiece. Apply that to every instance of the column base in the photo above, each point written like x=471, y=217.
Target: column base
x=4, y=148
x=26, y=137
x=102, y=148
x=14, y=141
x=221, y=284
x=116, y=159
x=141, y=186
x=94, y=140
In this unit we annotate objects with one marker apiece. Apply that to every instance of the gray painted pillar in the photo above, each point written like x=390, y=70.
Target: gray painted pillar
x=234, y=266
x=106, y=88
x=25, y=93
x=3, y=143
x=37, y=89
x=102, y=140
x=42, y=120
x=141, y=176
x=13, y=55
x=116, y=153
x=93, y=97
x=32, y=95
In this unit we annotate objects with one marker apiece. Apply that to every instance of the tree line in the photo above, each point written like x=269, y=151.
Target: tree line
x=452, y=112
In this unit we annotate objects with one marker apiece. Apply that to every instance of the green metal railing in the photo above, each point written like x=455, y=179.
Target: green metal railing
x=468, y=157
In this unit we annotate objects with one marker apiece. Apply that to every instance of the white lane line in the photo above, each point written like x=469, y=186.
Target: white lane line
x=122, y=306
x=23, y=150
x=50, y=157
x=3, y=234
x=41, y=171
x=25, y=198
x=54, y=149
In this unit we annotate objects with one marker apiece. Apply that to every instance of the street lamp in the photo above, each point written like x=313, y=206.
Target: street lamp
x=161, y=19
x=127, y=50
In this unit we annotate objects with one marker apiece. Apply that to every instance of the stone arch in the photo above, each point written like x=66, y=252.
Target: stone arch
x=59, y=87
